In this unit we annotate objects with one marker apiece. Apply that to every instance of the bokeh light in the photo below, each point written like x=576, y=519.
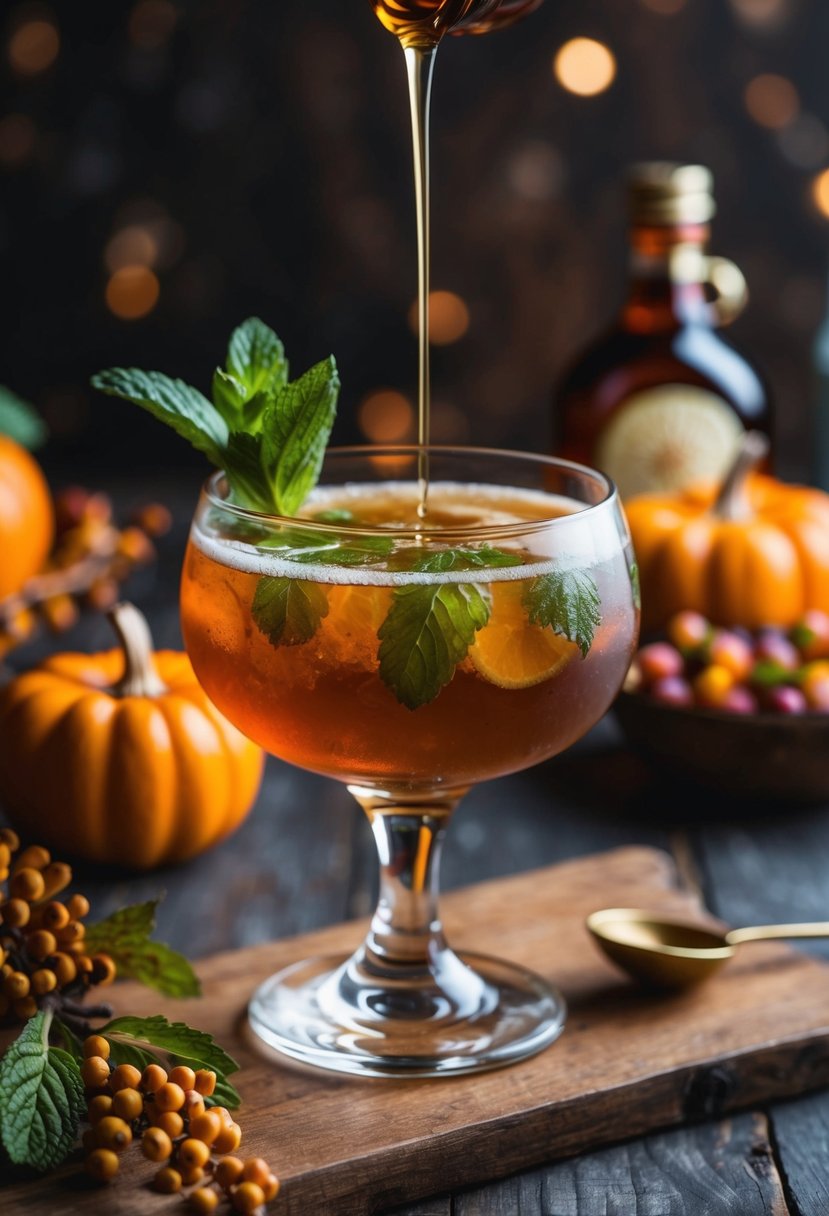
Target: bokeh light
x=449, y=424
x=536, y=171
x=131, y=246
x=820, y=192
x=386, y=416
x=762, y=13
x=448, y=318
x=17, y=139
x=151, y=24
x=584, y=66
x=33, y=47
x=771, y=100
x=132, y=292
x=804, y=142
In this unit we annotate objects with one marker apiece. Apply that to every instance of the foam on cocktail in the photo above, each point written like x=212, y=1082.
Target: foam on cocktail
x=533, y=532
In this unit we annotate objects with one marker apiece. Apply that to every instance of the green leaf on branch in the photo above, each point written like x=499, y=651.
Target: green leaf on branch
x=194, y=1047
x=126, y=937
x=19, y=420
x=427, y=632
x=288, y=610
x=568, y=602
x=41, y=1098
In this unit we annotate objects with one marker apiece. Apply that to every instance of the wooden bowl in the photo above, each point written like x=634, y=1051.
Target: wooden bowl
x=774, y=757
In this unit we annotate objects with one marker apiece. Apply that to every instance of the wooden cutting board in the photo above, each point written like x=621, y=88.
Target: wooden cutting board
x=626, y=1064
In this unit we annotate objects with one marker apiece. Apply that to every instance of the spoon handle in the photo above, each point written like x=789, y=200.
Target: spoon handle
x=759, y=933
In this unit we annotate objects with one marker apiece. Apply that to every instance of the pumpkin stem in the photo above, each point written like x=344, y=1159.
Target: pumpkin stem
x=732, y=502
x=140, y=678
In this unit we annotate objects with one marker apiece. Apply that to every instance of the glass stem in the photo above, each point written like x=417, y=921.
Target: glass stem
x=420, y=64
x=406, y=929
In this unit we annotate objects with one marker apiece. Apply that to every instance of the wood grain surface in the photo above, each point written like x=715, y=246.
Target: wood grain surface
x=627, y=1064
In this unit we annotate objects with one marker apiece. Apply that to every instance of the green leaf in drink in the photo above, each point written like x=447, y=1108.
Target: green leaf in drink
x=566, y=601
x=288, y=610
x=427, y=632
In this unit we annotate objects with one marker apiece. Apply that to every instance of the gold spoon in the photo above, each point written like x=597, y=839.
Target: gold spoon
x=665, y=953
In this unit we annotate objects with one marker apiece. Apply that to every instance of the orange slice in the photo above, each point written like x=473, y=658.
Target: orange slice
x=512, y=653
x=355, y=613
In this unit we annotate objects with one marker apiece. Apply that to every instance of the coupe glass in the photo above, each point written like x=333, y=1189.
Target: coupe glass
x=288, y=625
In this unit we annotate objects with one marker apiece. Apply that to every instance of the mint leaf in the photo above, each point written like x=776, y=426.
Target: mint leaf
x=636, y=586
x=296, y=428
x=256, y=358
x=229, y=396
x=172, y=401
x=182, y=1041
x=126, y=937
x=298, y=545
x=484, y=557
x=19, y=421
x=336, y=516
x=288, y=610
x=243, y=465
x=568, y=602
x=41, y=1098
x=71, y=1043
x=427, y=632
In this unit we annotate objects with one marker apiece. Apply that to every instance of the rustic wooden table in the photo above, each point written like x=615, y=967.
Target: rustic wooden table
x=286, y=871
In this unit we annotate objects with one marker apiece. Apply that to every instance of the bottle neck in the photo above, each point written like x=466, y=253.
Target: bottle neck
x=668, y=274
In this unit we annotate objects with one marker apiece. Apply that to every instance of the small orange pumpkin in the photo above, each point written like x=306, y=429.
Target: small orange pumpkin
x=27, y=525
x=752, y=552
x=120, y=757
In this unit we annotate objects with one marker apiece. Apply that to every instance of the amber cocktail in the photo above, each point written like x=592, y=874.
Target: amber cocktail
x=411, y=659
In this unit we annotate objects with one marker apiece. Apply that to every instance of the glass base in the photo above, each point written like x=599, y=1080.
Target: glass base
x=469, y=1014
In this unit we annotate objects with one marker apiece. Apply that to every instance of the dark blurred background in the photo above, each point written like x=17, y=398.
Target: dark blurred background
x=169, y=167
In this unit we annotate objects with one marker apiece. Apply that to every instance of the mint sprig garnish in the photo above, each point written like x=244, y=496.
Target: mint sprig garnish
x=41, y=1097
x=126, y=936
x=566, y=601
x=267, y=433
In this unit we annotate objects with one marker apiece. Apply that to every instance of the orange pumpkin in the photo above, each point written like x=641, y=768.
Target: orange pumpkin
x=27, y=525
x=120, y=757
x=752, y=552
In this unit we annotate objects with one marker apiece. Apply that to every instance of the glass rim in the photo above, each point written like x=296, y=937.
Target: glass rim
x=610, y=494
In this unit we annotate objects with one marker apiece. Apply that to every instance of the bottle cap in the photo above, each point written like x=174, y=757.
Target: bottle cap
x=661, y=192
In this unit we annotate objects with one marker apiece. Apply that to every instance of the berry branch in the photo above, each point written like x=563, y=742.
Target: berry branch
x=91, y=558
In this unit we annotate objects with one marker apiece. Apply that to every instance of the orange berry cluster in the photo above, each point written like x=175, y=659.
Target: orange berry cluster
x=92, y=556
x=42, y=950
x=166, y=1114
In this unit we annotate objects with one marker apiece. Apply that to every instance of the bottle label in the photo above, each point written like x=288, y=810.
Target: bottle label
x=667, y=438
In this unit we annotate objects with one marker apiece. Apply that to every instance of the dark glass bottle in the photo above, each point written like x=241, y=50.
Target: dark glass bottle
x=660, y=401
